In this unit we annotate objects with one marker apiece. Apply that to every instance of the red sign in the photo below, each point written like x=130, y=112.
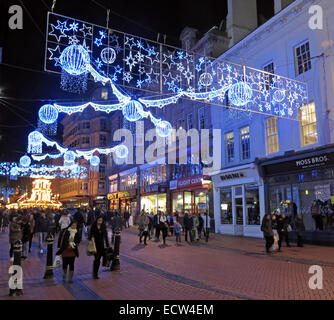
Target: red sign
x=190, y=182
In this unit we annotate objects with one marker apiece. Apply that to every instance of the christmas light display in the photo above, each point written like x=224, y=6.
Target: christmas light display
x=240, y=94
x=48, y=114
x=25, y=161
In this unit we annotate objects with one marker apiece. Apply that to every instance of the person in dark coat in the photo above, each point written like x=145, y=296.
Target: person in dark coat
x=300, y=228
x=116, y=225
x=282, y=229
x=126, y=218
x=15, y=234
x=267, y=230
x=68, y=248
x=143, y=224
x=187, y=222
x=90, y=220
x=41, y=228
x=200, y=226
x=26, y=232
x=157, y=225
x=99, y=236
x=79, y=218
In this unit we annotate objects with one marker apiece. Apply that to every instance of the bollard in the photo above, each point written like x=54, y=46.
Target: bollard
x=17, y=262
x=115, y=265
x=49, y=259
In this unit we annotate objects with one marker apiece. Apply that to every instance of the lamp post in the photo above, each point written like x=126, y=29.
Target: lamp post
x=49, y=259
x=115, y=264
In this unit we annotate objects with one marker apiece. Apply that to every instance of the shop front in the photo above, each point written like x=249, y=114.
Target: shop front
x=128, y=201
x=190, y=195
x=113, y=201
x=238, y=201
x=101, y=203
x=153, y=198
x=303, y=183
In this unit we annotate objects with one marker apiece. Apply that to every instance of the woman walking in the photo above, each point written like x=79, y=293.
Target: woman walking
x=163, y=227
x=267, y=230
x=143, y=223
x=99, y=236
x=68, y=244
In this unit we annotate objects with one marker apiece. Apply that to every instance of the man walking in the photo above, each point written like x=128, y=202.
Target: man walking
x=42, y=229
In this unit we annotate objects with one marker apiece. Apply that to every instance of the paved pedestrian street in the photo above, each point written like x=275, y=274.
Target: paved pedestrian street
x=226, y=268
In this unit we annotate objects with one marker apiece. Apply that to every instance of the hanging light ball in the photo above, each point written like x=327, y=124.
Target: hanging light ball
x=35, y=138
x=94, y=161
x=48, y=113
x=14, y=171
x=74, y=59
x=132, y=111
x=122, y=151
x=164, y=129
x=25, y=161
x=108, y=55
x=69, y=158
x=240, y=94
x=279, y=95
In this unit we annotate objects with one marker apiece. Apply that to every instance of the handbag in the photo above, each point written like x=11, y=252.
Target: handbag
x=58, y=262
x=91, y=249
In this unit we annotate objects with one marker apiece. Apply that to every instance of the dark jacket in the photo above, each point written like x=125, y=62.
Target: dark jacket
x=282, y=224
x=187, y=222
x=42, y=224
x=15, y=232
x=90, y=218
x=63, y=242
x=116, y=223
x=26, y=232
x=266, y=227
x=100, y=236
x=299, y=226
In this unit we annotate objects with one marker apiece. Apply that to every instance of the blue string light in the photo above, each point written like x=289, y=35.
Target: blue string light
x=132, y=111
x=74, y=59
x=48, y=114
x=25, y=161
x=240, y=94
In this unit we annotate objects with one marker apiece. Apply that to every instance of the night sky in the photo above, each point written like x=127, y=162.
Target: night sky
x=28, y=89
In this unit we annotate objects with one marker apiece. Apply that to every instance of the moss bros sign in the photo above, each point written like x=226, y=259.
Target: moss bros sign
x=314, y=162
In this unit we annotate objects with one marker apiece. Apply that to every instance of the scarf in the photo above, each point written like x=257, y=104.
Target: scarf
x=71, y=238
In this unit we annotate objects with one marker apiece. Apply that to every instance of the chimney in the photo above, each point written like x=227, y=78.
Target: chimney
x=241, y=19
x=188, y=38
x=281, y=4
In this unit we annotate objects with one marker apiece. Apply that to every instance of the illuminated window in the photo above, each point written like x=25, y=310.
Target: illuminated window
x=308, y=125
x=272, y=144
x=245, y=143
x=302, y=58
x=104, y=94
x=268, y=77
x=229, y=143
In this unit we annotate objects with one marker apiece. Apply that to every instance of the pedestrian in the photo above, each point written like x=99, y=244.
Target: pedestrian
x=1, y=218
x=163, y=226
x=41, y=228
x=143, y=224
x=151, y=225
x=157, y=226
x=68, y=248
x=300, y=228
x=90, y=221
x=25, y=226
x=15, y=234
x=187, y=221
x=200, y=226
x=78, y=217
x=126, y=218
x=5, y=221
x=282, y=228
x=274, y=226
x=99, y=236
x=178, y=229
x=195, y=225
x=52, y=223
x=267, y=230
x=32, y=223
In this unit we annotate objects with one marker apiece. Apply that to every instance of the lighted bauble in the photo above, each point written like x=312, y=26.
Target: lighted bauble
x=74, y=59
x=164, y=129
x=95, y=161
x=279, y=95
x=240, y=94
x=108, y=55
x=121, y=152
x=69, y=157
x=35, y=138
x=206, y=79
x=48, y=113
x=25, y=161
x=132, y=111
x=14, y=171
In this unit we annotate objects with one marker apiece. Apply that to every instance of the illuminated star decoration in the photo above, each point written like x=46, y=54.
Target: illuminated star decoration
x=127, y=42
x=130, y=61
x=153, y=77
x=57, y=36
x=74, y=26
x=168, y=60
x=88, y=32
x=73, y=40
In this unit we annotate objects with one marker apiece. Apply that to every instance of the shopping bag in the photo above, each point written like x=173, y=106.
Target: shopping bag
x=58, y=262
x=91, y=250
x=275, y=244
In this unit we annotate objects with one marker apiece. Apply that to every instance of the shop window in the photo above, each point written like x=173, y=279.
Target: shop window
x=252, y=204
x=245, y=143
x=308, y=125
x=229, y=143
x=302, y=58
x=272, y=144
x=178, y=202
x=113, y=186
x=226, y=206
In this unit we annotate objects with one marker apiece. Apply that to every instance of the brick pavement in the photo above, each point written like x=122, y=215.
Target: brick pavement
x=225, y=268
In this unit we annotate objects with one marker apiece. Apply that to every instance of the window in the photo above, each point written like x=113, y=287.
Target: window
x=269, y=78
x=190, y=121
x=179, y=124
x=84, y=186
x=308, y=125
x=229, y=142
x=102, y=171
x=226, y=206
x=103, y=124
x=201, y=118
x=245, y=143
x=101, y=186
x=86, y=125
x=104, y=94
x=272, y=144
x=85, y=140
x=103, y=140
x=302, y=58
